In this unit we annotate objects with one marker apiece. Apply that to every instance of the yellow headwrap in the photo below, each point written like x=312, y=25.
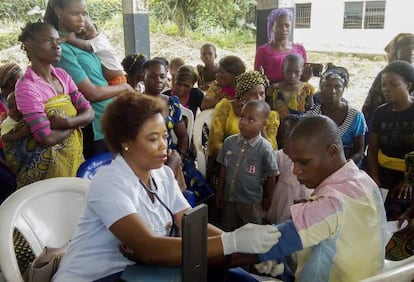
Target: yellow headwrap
x=247, y=80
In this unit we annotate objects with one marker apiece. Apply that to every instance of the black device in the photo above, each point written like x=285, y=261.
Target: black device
x=194, y=244
x=316, y=68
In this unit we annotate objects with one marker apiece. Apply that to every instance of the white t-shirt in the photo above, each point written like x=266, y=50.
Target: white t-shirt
x=106, y=53
x=114, y=193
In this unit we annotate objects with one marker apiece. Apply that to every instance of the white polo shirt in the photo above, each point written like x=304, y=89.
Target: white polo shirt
x=114, y=193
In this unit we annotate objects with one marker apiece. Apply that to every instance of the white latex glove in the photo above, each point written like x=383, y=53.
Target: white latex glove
x=250, y=239
x=270, y=267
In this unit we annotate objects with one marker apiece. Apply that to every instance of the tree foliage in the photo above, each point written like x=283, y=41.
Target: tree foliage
x=17, y=10
x=201, y=15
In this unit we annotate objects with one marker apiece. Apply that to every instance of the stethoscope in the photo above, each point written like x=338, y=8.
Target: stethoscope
x=152, y=192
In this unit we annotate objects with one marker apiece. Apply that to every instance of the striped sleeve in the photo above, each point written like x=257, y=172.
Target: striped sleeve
x=318, y=220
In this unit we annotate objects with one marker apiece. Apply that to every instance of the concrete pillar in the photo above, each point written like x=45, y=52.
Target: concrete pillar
x=263, y=8
x=136, y=26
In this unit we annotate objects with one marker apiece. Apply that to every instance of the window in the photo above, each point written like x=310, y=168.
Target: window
x=374, y=14
x=364, y=14
x=353, y=15
x=303, y=15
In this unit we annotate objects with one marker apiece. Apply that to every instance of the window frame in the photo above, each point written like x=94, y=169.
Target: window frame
x=364, y=14
x=303, y=15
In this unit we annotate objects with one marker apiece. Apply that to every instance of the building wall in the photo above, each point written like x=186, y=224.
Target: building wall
x=327, y=33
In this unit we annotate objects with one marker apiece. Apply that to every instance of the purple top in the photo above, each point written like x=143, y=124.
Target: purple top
x=272, y=60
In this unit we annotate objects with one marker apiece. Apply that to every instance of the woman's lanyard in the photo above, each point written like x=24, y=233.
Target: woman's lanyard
x=161, y=202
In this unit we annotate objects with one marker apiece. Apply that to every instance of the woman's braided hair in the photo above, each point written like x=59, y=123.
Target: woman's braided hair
x=29, y=31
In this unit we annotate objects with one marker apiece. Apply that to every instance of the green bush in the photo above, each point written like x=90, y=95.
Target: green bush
x=102, y=11
x=16, y=10
x=7, y=40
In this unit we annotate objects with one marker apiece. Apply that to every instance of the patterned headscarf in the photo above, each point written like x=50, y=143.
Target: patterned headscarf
x=8, y=72
x=396, y=43
x=272, y=17
x=340, y=73
x=247, y=80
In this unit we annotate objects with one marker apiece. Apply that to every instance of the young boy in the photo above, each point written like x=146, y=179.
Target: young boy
x=247, y=162
x=207, y=73
x=92, y=40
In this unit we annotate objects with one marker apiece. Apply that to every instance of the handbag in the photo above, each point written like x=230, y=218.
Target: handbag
x=45, y=265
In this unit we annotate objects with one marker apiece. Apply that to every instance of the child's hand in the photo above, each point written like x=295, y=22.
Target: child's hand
x=57, y=122
x=402, y=190
x=306, y=73
x=173, y=159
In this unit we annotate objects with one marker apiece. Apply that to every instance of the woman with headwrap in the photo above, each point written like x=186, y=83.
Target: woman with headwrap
x=250, y=85
x=391, y=137
x=401, y=48
x=270, y=55
x=350, y=121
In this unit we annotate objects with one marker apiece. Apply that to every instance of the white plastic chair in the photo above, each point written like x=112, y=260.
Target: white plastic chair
x=190, y=121
x=204, y=117
x=400, y=271
x=45, y=212
x=188, y=114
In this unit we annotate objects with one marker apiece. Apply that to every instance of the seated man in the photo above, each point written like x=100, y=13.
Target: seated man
x=340, y=232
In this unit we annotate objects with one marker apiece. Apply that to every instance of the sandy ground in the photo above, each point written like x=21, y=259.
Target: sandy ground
x=362, y=69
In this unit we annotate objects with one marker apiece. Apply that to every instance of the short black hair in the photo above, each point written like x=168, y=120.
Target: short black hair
x=262, y=106
x=317, y=127
x=403, y=69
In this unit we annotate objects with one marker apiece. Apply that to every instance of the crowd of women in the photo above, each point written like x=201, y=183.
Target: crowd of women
x=65, y=108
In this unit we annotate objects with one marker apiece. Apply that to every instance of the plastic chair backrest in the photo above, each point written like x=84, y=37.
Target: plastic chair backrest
x=89, y=167
x=190, y=121
x=203, y=118
x=402, y=273
x=189, y=116
x=45, y=212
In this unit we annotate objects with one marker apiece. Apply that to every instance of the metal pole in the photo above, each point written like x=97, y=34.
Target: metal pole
x=136, y=26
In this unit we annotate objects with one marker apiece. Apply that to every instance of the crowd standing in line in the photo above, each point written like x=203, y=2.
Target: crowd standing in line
x=85, y=68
